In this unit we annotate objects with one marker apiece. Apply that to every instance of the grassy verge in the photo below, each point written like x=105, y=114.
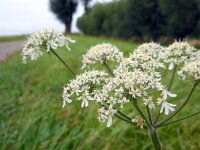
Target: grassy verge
x=31, y=116
x=11, y=38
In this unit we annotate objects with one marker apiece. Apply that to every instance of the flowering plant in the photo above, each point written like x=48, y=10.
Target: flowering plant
x=135, y=81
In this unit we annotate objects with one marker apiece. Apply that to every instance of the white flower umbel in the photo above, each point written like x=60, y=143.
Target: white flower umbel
x=154, y=50
x=82, y=87
x=144, y=62
x=178, y=52
x=44, y=40
x=100, y=53
x=130, y=84
x=191, y=69
x=195, y=56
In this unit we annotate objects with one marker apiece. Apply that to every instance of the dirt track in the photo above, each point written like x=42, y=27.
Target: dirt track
x=9, y=48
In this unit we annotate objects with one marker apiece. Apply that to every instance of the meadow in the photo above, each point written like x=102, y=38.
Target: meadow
x=12, y=38
x=32, y=117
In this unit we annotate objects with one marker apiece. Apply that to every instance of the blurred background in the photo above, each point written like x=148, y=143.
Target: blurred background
x=129, y=19
x=31, y=114
x=19, y=17
x=144, y=19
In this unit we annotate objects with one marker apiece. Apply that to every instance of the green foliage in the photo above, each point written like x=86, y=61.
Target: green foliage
x=31, y=116
x=103, y=20
x=12, y=38
x=85, y=4
x=145, y=19
x=64, y=10
x=182, y=17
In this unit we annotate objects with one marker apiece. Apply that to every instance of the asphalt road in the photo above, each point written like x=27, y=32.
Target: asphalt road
x=9, y=48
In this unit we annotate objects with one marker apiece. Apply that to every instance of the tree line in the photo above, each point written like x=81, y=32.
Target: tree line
x=144, y=19
x=64, y=10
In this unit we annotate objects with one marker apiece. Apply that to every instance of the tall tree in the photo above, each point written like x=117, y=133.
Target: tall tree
x=182, y=17
x=149, y=25
x=86, y=4
x=64, y=10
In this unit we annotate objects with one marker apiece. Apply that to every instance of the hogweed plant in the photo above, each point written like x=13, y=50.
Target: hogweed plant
x=135, y=81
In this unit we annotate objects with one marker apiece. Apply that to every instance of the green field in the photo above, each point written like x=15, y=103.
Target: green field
x=31, y=114
x=12, y=38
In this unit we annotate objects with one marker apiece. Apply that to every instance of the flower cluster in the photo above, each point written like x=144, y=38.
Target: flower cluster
x=134, y=80
x=178, y=52
x=132, y=84
x=192, y=69
x=44, y=39
x=100, y=53
x=195, y=56
x=154, y=50
x=82, y=86
x=142, y=62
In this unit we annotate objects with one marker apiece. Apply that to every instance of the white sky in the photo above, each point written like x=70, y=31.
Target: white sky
x=25, y=16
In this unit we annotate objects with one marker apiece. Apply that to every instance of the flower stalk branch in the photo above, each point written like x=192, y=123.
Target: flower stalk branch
x=66, y=65
x=140, y=112
x=169, y=87
x=180, y=107
x=108, y=68
x=149, y=115
x=181, y=119
x=121, y=116
x=172, y=78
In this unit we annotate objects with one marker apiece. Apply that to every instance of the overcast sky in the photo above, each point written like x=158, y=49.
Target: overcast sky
x=25, y=16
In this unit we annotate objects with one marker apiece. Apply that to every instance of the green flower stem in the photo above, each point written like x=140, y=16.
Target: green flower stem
x=155, y=139
x=140, y=112
x=169, y=87
x=149, y=115
x=157, y=117
x=123, y=115
x=108, y=68
x=181, y=106
x=125, y=120
x=181, y=119
x=172, y=78
x=66, y=65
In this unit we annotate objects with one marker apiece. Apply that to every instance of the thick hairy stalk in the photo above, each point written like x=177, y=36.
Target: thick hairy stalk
x=155, y=139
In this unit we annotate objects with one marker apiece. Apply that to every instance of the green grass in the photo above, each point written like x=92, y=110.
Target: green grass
x=11, y=38
x=31, y=116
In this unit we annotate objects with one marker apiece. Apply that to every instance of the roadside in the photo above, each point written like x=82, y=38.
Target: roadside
x=8, y=48
x=12, y=38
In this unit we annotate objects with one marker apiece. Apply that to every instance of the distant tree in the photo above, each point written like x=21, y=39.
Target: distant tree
x=182, y=17
x=64, y=10
x=123, y=19
x=86, y=3
x=91, y=23
x=143, y=19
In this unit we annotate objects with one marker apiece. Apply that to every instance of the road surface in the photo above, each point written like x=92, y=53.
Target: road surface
x=9, y=48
